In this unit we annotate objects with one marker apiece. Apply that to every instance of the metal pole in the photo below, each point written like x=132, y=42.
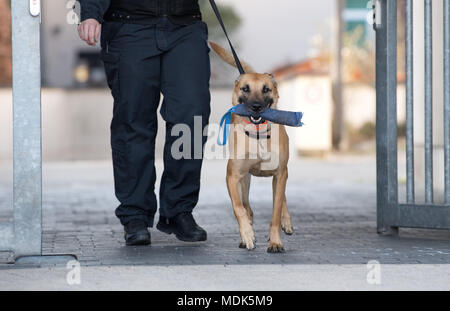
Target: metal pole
x=428, y=103
x=410, y=193
x=27, y=200
x=386, y=63
x=447, y=98
x=338, y=118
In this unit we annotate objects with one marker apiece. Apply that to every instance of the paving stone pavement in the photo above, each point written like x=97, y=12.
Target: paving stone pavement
x=332, y=202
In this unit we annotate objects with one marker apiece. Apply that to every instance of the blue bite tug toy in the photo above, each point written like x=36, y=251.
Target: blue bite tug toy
x=281, y=117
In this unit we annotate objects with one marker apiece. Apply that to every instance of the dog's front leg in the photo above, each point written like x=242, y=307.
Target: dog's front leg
x=279, y=188
x=234, y=181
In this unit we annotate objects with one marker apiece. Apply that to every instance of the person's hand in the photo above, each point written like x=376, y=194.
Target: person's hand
x=89, y=31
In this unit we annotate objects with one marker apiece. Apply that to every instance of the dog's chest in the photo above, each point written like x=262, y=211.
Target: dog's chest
x=261, y=149
x=262, y=154
x=266, y=157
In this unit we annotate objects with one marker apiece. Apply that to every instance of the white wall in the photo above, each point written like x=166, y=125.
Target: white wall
x=312, y=96
x=5, y=123
x=360, y=104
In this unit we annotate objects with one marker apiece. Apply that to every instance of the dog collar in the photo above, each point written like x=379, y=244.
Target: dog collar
x=257, y=135
x=258, y=131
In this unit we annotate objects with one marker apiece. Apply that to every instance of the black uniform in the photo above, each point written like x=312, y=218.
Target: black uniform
x=151, y=47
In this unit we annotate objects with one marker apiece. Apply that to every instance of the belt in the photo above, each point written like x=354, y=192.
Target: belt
x=145, y=19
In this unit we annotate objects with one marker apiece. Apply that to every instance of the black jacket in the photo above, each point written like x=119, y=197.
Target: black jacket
x=97, y=9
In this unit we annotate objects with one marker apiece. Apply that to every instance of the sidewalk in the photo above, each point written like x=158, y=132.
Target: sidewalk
x=231, y=278
x=332, y=202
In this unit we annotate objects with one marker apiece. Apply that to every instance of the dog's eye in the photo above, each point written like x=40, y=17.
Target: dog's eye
x=246, y=89
x=266, y=90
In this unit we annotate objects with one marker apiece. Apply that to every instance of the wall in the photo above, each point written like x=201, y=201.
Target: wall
x=5, y=43
x=312, y=96
x=360, y=104
x=60, y=44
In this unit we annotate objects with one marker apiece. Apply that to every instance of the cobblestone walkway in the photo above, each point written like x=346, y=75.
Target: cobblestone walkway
x=332, y=203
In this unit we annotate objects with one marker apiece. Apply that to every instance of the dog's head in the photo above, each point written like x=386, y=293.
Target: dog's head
x=257, y=92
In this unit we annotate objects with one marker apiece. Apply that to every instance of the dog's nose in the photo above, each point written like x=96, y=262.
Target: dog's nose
x=256, y=107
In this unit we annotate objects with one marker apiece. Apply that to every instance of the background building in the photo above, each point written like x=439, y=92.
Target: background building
x=5, y=43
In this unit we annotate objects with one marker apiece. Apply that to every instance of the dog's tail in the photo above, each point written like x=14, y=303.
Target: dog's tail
x=228, y=57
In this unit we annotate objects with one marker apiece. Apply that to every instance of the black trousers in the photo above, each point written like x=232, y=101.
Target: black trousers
x=141, y=62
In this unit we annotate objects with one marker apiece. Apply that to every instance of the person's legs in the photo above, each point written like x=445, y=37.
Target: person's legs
x=185, y=75
x=133, y=68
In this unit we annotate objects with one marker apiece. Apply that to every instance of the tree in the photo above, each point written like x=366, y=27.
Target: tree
x=231, y=19
x=5, y=43
x=222, y=74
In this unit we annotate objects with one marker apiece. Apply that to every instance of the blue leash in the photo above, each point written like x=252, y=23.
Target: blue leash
x=226, y=119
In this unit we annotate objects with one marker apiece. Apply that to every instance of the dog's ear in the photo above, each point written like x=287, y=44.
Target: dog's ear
x=275, y=85
x=238, y=80
x=273, y=79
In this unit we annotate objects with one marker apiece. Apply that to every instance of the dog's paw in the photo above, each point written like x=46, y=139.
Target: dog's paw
x=248, y=240
x=286, y=225
x=249, y=245
x=288, y=230
x=275, y=248
x=242, y=245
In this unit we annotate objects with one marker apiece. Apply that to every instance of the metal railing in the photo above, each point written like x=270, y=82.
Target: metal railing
x=23, y=236
x=390, y=213
x=447, y=98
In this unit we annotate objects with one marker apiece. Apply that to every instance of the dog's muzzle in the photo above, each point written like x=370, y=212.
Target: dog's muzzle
x=255, y=109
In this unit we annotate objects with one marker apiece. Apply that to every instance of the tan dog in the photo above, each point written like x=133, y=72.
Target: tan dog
x=257, y=148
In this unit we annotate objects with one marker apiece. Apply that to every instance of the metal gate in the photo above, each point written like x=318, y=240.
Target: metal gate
x=22, y=237
x=391, y=214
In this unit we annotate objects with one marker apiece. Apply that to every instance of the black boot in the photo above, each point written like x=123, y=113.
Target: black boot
x=136, y=233
x=183, y=226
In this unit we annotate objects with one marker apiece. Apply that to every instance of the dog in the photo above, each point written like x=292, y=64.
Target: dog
x=257, y=148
